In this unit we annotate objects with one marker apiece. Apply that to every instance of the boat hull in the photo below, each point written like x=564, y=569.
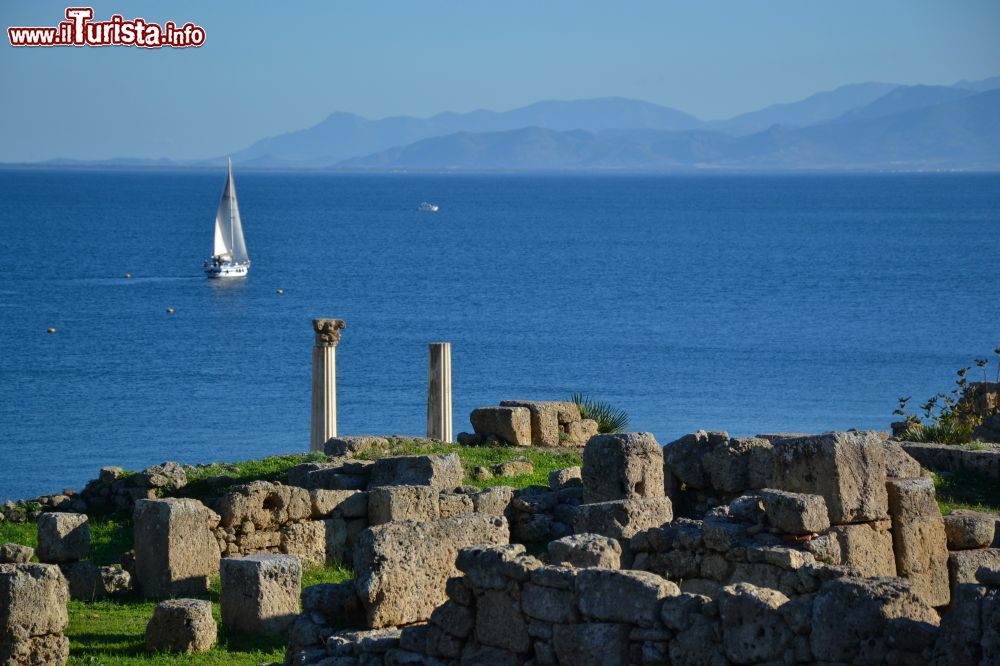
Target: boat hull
x=227, y=271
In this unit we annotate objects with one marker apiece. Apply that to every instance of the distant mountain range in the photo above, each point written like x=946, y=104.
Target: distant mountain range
x=860, y=126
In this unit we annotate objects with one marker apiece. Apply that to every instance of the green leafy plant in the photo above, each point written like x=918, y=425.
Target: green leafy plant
x=609, y=418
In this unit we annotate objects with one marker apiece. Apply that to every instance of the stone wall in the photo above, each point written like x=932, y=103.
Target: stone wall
x=949, y=458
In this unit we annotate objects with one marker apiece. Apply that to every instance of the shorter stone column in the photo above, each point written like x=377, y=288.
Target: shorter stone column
x=324, y=381
x=439, y=392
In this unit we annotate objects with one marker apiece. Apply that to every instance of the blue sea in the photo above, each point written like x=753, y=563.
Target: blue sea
x=740, y=303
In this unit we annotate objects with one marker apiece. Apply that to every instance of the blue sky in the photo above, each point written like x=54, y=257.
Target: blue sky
x=270, y=67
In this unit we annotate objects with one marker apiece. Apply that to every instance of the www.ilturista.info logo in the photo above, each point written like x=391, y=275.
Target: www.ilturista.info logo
x=81, y=30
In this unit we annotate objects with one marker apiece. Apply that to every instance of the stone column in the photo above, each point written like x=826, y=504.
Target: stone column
x=324, y=381
x=439, y=392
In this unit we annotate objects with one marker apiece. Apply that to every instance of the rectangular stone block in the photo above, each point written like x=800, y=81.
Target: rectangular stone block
x=402, y=568
x=176, y=552
x=591, y=644
x=63, y=537
x=306, y=540
x=846, y=468
x=544, y=420
x=343, y=503
x=918, y=538
x=867, y=547
x=439, y=470
x=622, y=466
x=508, y=424
x=623, y=519
x=260, y=593
x=389, y=503
x=795, y=513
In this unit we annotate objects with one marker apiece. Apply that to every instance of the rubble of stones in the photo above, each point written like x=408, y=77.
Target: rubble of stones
x=709, y=550
x=529, y=423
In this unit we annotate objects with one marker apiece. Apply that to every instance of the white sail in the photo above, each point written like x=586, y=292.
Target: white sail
x=229, y=240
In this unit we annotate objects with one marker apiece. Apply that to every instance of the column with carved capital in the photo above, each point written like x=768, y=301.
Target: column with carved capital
x=439, y=392
x=324, y=381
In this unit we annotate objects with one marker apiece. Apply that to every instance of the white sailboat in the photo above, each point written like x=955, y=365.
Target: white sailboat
x=229, y=254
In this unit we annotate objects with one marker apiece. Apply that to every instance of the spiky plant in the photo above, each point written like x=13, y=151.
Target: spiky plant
x=609, y=418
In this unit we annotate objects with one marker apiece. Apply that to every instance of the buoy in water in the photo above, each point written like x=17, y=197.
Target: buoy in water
x=128, y=276
x=279, y=291
x=170, y=310
x=51, y=329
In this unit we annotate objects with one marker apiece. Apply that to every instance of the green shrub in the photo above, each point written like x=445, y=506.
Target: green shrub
x=609, y=418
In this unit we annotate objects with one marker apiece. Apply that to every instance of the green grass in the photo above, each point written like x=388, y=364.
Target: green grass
x=962, y=490
x=544, y=460
x=274, y=468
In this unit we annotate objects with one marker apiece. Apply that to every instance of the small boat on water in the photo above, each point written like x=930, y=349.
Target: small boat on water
x=428, y=207
x=229, y=253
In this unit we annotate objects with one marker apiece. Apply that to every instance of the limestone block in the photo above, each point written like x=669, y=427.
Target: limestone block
x=307, y=541
x=579, y=433
x=548, y=604
x=899, y=464
x=846, y=468
x=401, y=568
x=453, y=504
x=350, y=446
x=499, y=622
x=181, y=625
x=963, y=564
x=753, y=627
x=63, y=537
x=591, y=644
x=340, y=503
x=622, y=596
x=89, y=582
x=727, y=462
x=176, y=552
x=569, y=477
x=260, y=593
x=623, y=519
x=15, y=553
x=441, y=471
x=969, y=529
x=682, y=458
x=266, y=505
x=867, y=547
x=586, y=550
x=516, y=467
x=795, y=513
x=918, y=536
x=495, y=501
x=622, y=466
x=390, y=503
x=853, y=618
x=508, y=424
x=544, y=420
x=33, y=614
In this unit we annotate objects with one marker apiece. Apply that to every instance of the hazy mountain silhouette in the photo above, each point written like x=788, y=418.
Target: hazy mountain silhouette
x=961, y=133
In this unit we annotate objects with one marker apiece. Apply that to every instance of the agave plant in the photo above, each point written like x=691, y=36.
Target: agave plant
x=609, y=418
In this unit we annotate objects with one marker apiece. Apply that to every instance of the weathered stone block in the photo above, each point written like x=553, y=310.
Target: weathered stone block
x=586, y=550
x=591, y=644
x=969, y=529
x=266, y=505
x=728, y=462
x=390, y=503
x=622, y=596
x=453, y=504
x=350, y=446
x=963, y=564
x=176, y=552
x=852, y=618
x=795, y=513
x=260, y=593
x=63, y=537
x=899, y=464
x=33, y=614
x=508, y=424
x=918, y=537
x=846, y=468
x=15, y=553
x=495, y=501
x=499, y=622
x=342, y=503
x=516, y=467
x=622, y=466
x=89, y=582
x=569, y=477
x=623, y=519
x=867, y=547
x=548, y=604
x=753, y=628
x=307, y=541
x=441, y=471
x=544, y=420
x=401, y=568
x=580, y=432
x=181, y=625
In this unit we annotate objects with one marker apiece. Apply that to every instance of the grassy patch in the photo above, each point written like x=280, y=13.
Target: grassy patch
x=23, y=533
x=544, y=460
x=962, y=490
x=204, y=480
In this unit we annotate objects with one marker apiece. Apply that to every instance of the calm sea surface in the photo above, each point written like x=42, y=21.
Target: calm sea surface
x=750, y=304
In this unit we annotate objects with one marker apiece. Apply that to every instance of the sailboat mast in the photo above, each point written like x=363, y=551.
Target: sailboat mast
x=232, y=234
